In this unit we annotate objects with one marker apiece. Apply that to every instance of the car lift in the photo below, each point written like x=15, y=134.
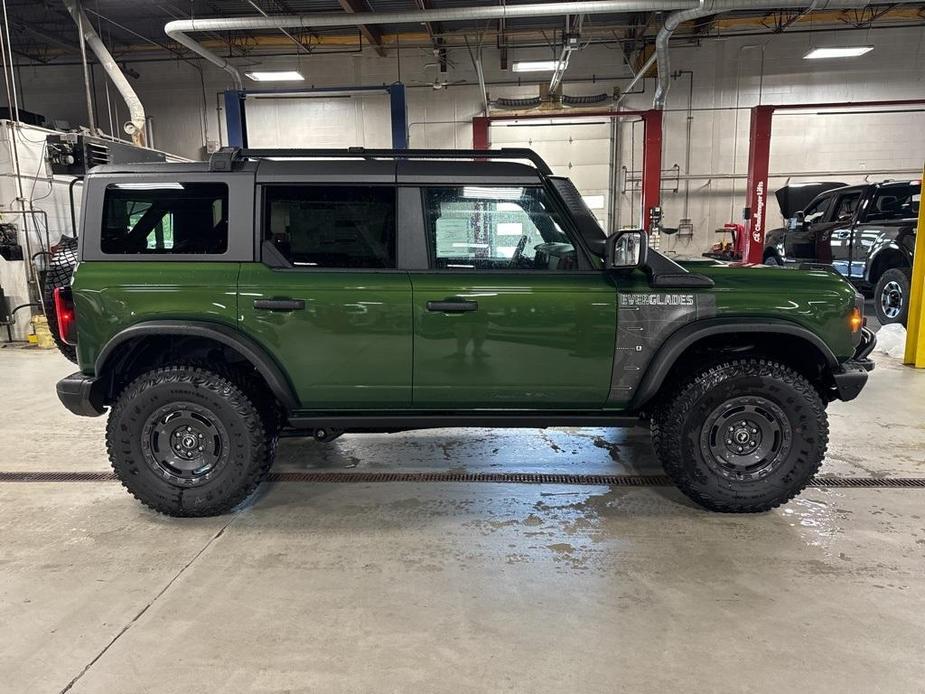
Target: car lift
x=759, y=153
x=651, y=148
x=236, y=117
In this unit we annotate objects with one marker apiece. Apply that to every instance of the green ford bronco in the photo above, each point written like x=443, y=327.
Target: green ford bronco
x=218, y=305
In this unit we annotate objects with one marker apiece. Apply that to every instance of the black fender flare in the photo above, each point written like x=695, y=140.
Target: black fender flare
x=245, y=346
x=880, y=246
x=687, y=335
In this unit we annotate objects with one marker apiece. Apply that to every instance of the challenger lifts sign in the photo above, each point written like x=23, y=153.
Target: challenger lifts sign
x=758, y=216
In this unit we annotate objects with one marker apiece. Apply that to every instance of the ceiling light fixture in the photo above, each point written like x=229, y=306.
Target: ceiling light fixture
x=837, y=52
x=535, y=66
x=275, y=76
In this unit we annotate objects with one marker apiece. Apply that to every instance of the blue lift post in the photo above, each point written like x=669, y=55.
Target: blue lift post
x=236, y=118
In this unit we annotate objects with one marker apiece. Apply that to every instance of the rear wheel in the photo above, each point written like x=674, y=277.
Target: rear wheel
x=891, y=297
x=744, y=436
x=188, y=441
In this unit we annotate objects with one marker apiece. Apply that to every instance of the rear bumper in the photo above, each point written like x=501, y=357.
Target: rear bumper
x=77, y=393
x=852, y=377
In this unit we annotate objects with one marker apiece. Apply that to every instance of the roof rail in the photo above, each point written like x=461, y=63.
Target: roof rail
x=224, y=158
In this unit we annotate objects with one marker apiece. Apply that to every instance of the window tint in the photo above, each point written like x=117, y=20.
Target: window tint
x=333, y=226
x=847, y=206
x=894, y=202
x=165, y=218
x=495, y=228
x=816, y=211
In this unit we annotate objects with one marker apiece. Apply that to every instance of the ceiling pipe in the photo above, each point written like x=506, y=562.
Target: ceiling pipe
x=135, y=126
x=178, y=30
x=707, y=8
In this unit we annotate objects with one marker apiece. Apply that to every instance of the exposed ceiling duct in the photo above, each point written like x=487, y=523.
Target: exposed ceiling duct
x=707, y=8
x=136, y=123
x=178, y=30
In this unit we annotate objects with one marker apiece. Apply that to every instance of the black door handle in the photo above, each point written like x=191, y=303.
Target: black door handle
x=459, y=306
x=279, y=304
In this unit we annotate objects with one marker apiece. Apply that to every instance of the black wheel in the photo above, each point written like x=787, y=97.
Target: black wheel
x=891, y=297
x=187, y=441
x=772, y=259
x=60, y=268
x=743, y=436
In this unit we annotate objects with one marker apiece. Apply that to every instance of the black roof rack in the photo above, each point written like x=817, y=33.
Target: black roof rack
x=224, y=158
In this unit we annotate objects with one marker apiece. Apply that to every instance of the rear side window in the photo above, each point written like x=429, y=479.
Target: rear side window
x=894, y=202
x=165, y=218
x=332, y=226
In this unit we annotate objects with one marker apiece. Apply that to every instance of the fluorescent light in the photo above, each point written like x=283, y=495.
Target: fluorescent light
x=535, y=65
x=275, y=76
x=166, y=185
x=837, y=52
x=594, y=202
x=492, y=193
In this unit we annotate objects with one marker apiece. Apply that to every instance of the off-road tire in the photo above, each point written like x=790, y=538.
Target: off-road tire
x=60, y=268
x=892, y=279
x=242, y=433
x=683, y=437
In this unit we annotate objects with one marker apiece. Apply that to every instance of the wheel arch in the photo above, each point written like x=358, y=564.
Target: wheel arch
x=886, y=257
x=129, y=345
x=705, y=336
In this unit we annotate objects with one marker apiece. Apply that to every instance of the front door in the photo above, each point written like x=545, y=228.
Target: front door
x=327, y=302
x=800, y=244
x=510, y=314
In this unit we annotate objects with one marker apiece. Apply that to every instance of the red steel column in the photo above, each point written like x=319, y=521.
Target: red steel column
x=480, y=138
x=651, y=162
x=759, y=154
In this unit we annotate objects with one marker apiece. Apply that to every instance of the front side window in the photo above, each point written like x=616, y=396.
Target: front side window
x=332, y=226
x=847, y=206
x=816, y=210
x=496, y=228
x=165, y=218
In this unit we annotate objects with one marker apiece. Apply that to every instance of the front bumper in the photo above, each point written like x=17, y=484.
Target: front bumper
x=78, y=394
x=852, y=377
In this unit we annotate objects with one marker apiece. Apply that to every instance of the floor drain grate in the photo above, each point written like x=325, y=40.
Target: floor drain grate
x=479, y=477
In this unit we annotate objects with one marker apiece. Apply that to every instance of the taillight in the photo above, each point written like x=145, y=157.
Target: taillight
x=64, y=311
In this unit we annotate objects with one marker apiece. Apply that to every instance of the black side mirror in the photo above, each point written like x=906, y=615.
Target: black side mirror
x=797, y=222
x=626, y=250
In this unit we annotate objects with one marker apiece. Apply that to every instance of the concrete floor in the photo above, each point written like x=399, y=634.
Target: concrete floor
x=461, y=587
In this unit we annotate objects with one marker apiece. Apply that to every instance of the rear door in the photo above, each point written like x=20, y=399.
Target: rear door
x=839, y=235
x=326, y=300
x=510, y=313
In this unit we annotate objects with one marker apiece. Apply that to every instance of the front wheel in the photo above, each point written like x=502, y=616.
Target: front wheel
x=187, y=441
x=743, y=436
x=891, y=297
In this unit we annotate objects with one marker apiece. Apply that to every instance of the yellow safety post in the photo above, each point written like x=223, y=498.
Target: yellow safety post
x=915, y=324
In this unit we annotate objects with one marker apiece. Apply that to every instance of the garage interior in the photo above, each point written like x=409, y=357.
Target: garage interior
x=485, y=559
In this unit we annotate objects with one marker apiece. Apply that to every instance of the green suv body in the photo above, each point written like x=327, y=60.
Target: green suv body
x=217, y=305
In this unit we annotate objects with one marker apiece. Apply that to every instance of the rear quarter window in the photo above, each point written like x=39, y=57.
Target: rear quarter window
x=165, y=218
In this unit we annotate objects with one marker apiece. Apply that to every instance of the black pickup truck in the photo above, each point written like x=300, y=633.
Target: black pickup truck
x=866, y=232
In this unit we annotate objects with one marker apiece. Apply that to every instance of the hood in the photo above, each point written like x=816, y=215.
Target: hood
x=796, y=196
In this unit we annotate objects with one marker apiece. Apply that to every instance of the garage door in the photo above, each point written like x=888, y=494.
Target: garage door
x=579, y=150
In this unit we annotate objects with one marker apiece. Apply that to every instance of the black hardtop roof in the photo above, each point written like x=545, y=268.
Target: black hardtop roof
x=349, y=170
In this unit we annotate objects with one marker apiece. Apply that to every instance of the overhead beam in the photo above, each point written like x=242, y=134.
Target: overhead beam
x=373, y=35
